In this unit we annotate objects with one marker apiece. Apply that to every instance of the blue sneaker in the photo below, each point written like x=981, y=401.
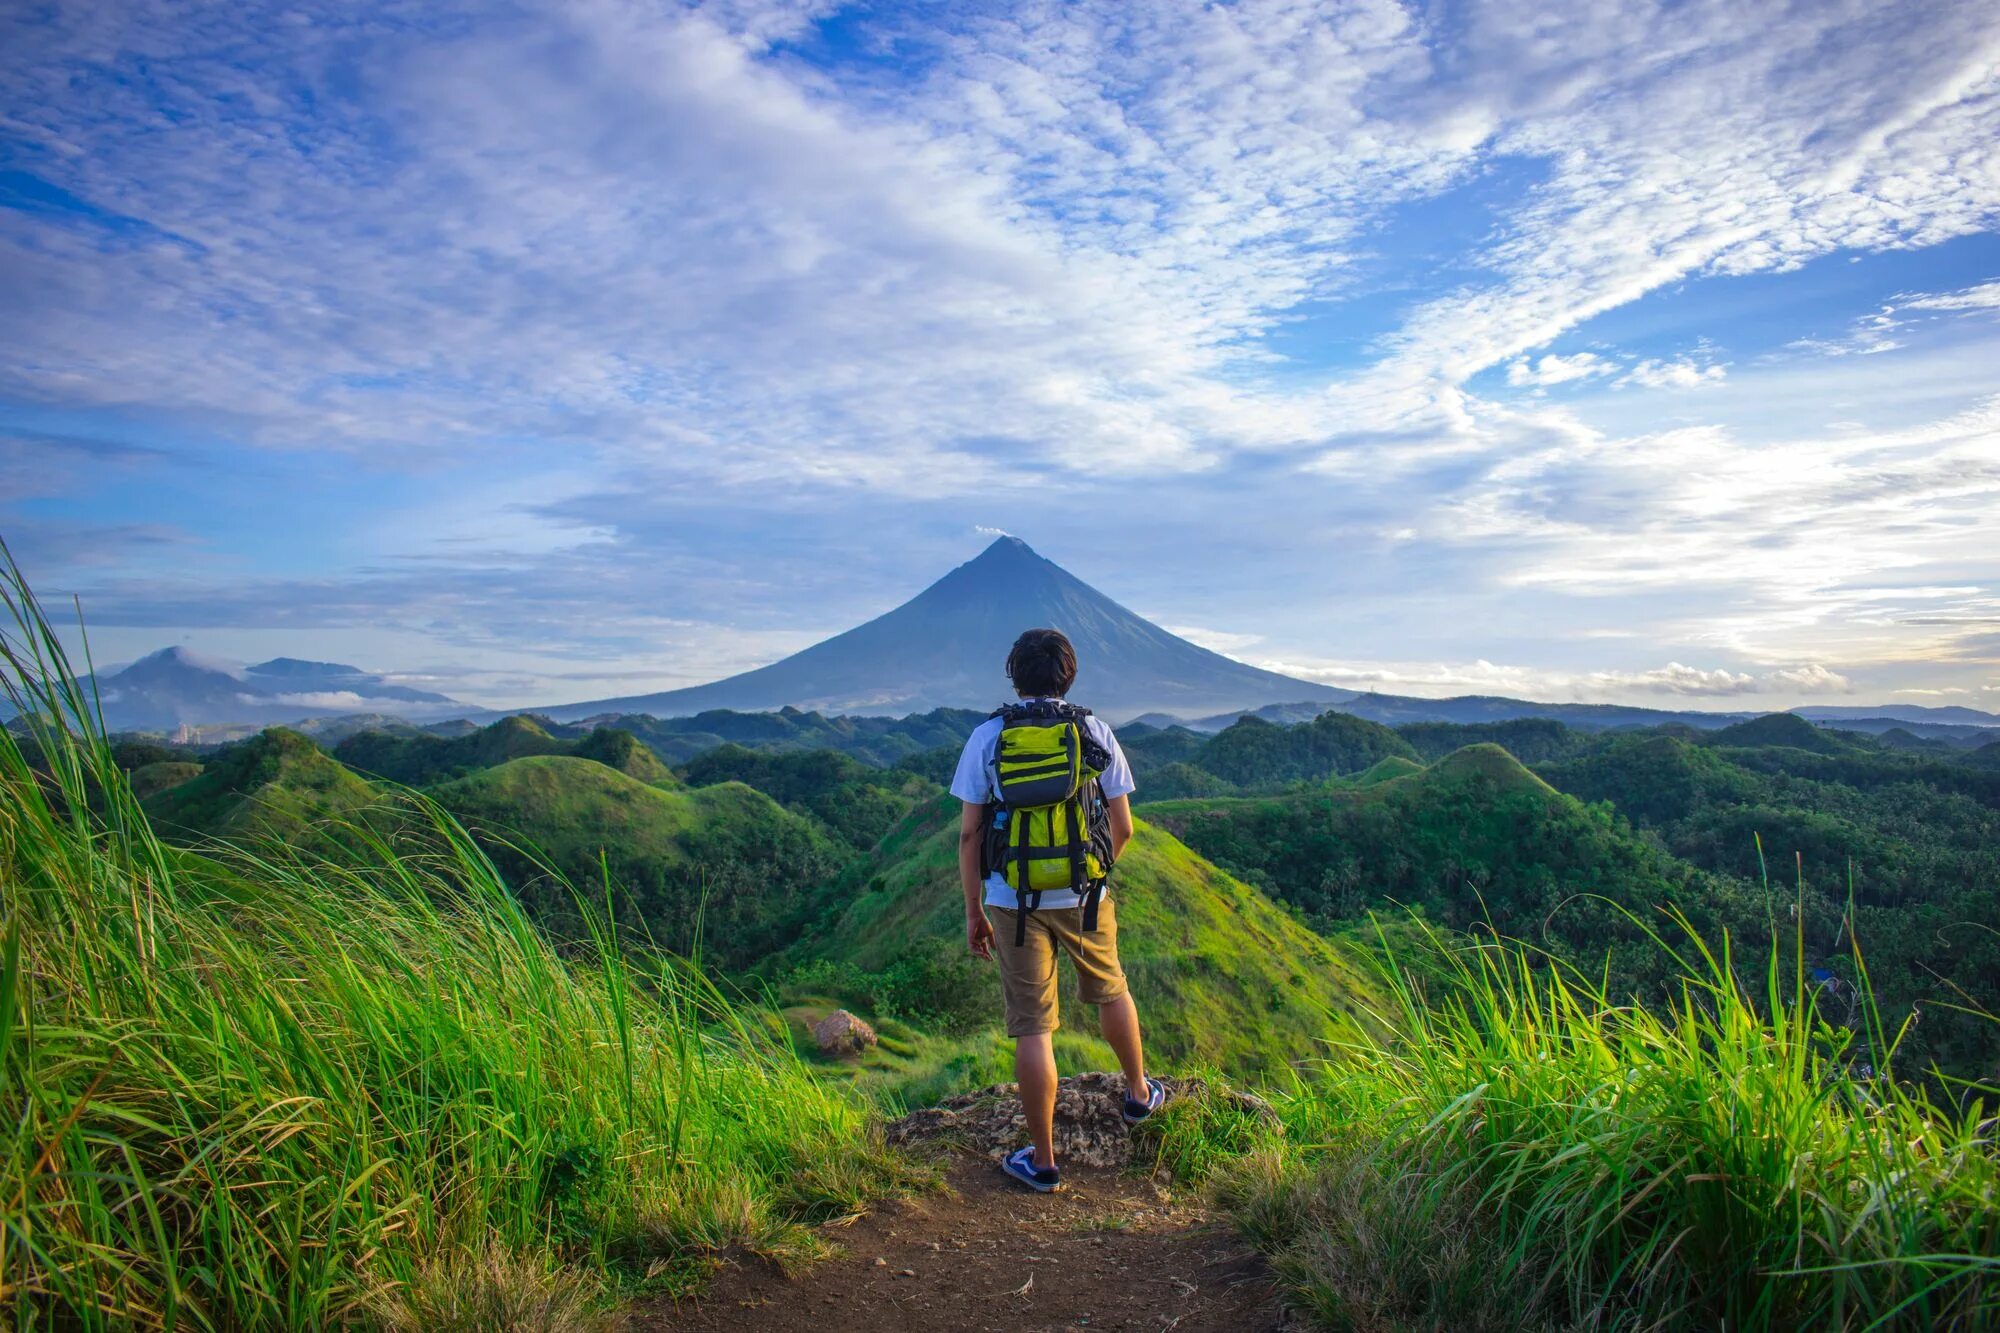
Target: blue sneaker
x=1020, y=1164
x=1156, y=1097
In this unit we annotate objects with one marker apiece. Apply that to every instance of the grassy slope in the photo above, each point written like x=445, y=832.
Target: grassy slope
x=1223, y=976
x=725, y=859
x=855, y=802
x=304, y=1092
x=277, y=784
x=1531, y=1153
x=151, y=779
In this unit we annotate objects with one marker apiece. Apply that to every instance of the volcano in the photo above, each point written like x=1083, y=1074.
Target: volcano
x=944, y=648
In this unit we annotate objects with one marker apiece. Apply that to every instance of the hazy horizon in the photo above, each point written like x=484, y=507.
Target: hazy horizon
x=541, y=354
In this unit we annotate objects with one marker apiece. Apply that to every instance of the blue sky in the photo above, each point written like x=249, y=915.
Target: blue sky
x=1618, y=352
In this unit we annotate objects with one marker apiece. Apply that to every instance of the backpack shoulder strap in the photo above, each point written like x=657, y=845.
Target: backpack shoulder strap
x=1043, y=708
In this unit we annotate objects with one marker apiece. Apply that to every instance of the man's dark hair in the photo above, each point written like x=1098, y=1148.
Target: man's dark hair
x=1042, y=664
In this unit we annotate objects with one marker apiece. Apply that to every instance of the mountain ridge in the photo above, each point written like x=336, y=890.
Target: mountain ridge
x=177, y=686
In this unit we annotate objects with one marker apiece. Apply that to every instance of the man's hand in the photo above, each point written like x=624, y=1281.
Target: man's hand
x=979, y=934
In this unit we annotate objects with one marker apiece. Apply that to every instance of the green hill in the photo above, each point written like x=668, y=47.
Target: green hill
x=1474, y=837
x=276, y=784
x=856, y=802
x=420, y=759
x=1899, y=852
x=725, y=862
x=1149, y=749
x=1386, y=770
x=1787, y=729
x=154, y=778
x=1532, y=740
x=1254, y=753
x=625, y=752
x=1652, y=778
x=1223, y=975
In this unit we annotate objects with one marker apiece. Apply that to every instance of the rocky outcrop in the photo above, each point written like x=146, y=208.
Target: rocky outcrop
x=1090, y=1125
x=841, y=1033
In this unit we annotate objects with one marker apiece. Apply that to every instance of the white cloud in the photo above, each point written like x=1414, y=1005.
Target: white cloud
x=314, y=699
x=1985, y=296
x=1553, y=369
x=1679, y=374
x=1876, y=332
x=1483, y=677
x=1796, y=546
x=1215, y=640
x=648, y=234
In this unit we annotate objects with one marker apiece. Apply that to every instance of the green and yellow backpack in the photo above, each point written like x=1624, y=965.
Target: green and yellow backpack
x=1050, y=828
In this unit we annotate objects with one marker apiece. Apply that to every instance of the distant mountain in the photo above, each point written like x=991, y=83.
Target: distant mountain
x=1951, y=715
x=944, y=648
x=176, y=687
x=1964, y=725
x=1397, y=710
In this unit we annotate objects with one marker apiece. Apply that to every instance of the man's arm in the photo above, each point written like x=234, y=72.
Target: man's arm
x=1120, y=809
x=971, y=829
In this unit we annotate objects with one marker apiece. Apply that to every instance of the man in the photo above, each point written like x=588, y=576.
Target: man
x=1042, y=667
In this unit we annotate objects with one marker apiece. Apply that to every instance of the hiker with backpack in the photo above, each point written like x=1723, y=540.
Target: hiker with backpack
x=1046, y=812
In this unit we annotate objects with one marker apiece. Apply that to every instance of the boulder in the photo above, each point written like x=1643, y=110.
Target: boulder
x=841, y=1033
x=1090, y=1123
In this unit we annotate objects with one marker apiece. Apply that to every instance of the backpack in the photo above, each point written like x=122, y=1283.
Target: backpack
x=1050, y=829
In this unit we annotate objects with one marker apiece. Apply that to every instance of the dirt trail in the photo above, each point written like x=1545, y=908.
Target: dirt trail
x=1109, y=1251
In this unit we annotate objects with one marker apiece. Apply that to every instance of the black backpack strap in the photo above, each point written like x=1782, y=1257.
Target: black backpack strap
x=1026, y=899
x=1091, y=897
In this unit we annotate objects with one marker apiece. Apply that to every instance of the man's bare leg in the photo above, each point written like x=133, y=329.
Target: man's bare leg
x=1119, y=1021
x=1035, y=1071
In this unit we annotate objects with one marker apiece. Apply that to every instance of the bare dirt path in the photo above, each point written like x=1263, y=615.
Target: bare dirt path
x=1110, y=1251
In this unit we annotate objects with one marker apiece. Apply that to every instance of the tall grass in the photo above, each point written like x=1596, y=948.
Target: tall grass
x=285, y=1089
x=1527, y=1152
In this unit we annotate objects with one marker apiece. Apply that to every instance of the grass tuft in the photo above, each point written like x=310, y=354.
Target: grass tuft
x=496, y=1291
x=1527, y=1153
x=299, y=1084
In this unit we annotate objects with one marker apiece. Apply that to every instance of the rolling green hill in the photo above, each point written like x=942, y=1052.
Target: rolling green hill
x=725, y=862
x=857, y=803
x=1253, y=753
x=1474, y=837
x=154, y=778
x=1787, y=729
x=419, y=759
x=276, y=784
x=1532, y=740
x=1898, y=851
x=1223, y=975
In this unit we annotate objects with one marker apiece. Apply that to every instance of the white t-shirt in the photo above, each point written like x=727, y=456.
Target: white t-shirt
x=978, y=780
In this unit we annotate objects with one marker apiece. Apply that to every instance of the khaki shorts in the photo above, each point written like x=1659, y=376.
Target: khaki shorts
x=1028, y=974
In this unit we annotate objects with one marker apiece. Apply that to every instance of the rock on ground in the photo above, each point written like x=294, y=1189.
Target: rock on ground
x=841, y=1033
x=1090, y=1124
